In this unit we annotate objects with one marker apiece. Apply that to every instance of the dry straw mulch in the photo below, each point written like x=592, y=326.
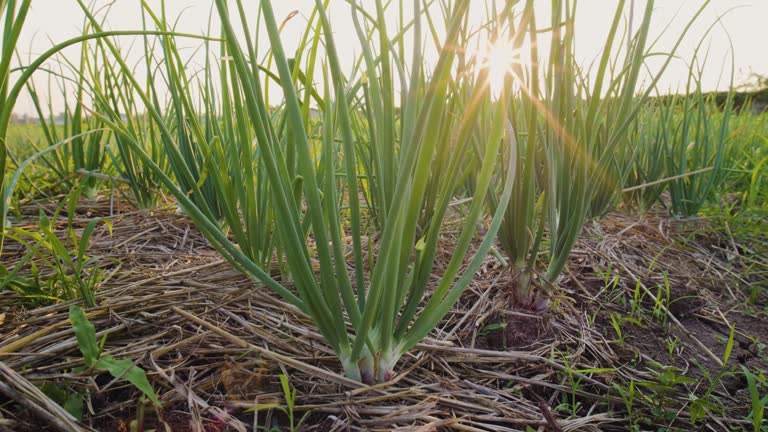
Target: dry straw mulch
x=213, y=342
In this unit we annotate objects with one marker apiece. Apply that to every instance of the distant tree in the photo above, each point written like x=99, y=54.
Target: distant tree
x=755, y=81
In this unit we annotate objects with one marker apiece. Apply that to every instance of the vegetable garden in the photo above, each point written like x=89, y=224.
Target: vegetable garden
x=499, y=240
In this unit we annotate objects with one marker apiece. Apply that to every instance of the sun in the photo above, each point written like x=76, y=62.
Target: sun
x=499, y=57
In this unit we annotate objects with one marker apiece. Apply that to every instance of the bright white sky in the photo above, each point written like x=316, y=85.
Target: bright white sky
x=744, y=21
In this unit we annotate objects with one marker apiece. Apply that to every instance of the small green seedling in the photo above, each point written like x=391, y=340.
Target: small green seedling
x=290, y=403
x=663, y=300
x=85, y=333
x=616, y=323
x=700, y=405
x=758, y=403
x=672, y=344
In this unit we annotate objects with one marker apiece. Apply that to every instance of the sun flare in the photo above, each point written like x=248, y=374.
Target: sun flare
x=499, y=57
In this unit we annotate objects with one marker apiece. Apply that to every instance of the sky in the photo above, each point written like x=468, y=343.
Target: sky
x=742, y=24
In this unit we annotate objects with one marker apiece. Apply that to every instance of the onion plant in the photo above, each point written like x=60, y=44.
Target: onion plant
x=383, y=119
x=396, y=308
x=584, y=128
x=83, y=156
x=380, y=133
x=13, y=14
x=696, y=140
x=612, y=103
x=113, y=98
x=588, y=128
x=570, y=123
x=746, y=157
x=521, y=232
x=646, y=164
x=385, y=317
x=193, y=146
x=682, y=145
x=12, y=17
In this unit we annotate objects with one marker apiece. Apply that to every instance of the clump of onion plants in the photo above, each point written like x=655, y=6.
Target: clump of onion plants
x=681, y=146
x=368, y=324
x=13, y=81
x=646, y=170
x=115, y=101
x=694, y=143
x=85, y=155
